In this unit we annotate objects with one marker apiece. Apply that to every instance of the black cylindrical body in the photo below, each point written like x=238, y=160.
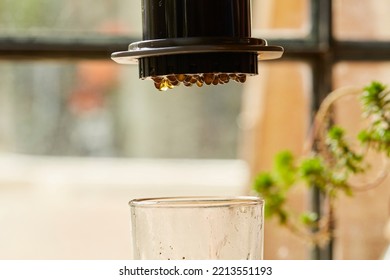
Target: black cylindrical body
x=196, y=18
x=202, y=19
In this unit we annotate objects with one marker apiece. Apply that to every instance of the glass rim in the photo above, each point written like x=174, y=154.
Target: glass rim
x=196, y=201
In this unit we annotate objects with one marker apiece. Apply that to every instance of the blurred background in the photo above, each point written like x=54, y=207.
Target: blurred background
x=81, y=135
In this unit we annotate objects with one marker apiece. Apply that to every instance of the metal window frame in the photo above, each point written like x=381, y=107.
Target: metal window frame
x=33, y=47
x=319, y=49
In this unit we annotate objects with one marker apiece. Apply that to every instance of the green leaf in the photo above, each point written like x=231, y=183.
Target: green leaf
x=263, y=183
x=312, y=167
x=364, y=136
x=284, y=169
x=336, y=133
x=309, y=219
x=374, y=88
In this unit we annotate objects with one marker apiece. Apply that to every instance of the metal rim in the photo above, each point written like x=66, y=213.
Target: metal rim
x=177, y=46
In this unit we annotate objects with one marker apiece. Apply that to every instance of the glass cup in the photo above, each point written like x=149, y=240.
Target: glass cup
x=205, y=228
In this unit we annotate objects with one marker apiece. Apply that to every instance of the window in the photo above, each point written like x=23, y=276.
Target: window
x=91, y=110
x=81, y=135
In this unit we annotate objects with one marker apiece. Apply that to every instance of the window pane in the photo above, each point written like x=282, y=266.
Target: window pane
x=361, y=73
x=361, y=19
x=97, y=108
x=281, y=18
x=271, y=18
x=70, y=17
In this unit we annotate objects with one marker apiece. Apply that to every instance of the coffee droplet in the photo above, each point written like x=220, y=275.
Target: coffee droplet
x=180, y=77
x=171, y=78
x=175, y=83
x=163, y=83
x=224, y=78
x=187, y=84
x=157, y=85
x=242, y=78
x=216, y=80
x=208, y=78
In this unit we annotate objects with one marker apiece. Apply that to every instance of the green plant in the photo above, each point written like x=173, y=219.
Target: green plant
x=329, y=166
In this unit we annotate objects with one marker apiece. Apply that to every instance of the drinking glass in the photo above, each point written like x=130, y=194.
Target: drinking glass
x=205, y=228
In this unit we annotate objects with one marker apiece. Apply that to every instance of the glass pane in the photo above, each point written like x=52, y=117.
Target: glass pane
x=361, y=73
x=280, y=18
x=70, y=17
x=99, y=108
x=361, y=19
x=271, y=18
